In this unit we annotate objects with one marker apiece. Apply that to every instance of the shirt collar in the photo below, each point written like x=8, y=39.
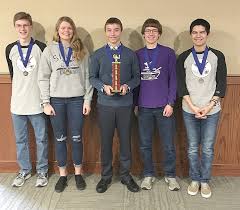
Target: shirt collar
x=114, y=47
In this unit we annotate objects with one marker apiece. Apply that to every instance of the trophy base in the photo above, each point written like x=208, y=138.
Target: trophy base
x=116, y=91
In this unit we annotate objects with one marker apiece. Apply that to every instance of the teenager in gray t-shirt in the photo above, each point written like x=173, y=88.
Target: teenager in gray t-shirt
x=66, y=94
x=23, y=58
x=201, y=74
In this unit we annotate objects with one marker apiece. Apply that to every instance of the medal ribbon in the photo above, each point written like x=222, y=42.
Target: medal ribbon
x=154, y=57
x=202, y=65
x=111, y=52
x=29, y=50
x=69, y=54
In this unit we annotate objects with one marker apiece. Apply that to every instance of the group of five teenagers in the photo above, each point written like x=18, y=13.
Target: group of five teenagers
x=156, y=96
x=201, y=73
x=115, y=109
x=64, y=80
x=23, y=58
x=66, y=95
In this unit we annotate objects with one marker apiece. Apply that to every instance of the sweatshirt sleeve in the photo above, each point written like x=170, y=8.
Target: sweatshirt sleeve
x=94, y=69
x=44, y=74
x=135, y=80
x=172, y=78
x=88, y=86
x=221, y=75
x=181, y=75
x=9, y=62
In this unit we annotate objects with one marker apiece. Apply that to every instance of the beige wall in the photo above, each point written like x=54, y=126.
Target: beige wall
x=90, y=16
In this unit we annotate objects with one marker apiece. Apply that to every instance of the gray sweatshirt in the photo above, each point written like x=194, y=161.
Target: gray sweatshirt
x=25, y=98
x=201, y=88
x=58, y=80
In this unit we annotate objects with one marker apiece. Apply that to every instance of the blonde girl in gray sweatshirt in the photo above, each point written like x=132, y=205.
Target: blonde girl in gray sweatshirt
x=66, y=95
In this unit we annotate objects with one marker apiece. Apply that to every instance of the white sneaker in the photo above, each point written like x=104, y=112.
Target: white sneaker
x=42, y=180
x=172, y=183
x=205, y=190
x=147, y=183
x=193, y=188
x=20, y=179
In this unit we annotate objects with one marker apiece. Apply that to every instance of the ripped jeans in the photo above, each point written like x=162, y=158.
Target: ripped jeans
x=69, y=117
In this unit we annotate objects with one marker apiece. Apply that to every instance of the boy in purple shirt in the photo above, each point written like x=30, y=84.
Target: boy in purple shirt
x=156, y=97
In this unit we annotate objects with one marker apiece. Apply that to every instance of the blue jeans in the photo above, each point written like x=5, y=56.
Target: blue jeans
x=69, y=117
x=200, y=132
x=20, y=124
x=166, y=128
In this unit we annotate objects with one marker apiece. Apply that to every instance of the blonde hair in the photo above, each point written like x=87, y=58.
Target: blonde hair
x=76, y=43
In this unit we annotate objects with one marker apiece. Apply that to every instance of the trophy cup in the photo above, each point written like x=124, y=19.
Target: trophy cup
x=116, y=74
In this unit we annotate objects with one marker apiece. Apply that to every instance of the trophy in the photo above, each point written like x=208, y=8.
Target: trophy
x=116, y=74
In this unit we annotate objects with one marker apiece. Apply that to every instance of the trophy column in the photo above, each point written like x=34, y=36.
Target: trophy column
x=116, y=74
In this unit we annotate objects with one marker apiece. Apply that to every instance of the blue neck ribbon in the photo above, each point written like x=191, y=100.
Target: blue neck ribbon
x=153, y=58
x=111, y=52
x=29, y=50
x=202, y=65
x=69, y=54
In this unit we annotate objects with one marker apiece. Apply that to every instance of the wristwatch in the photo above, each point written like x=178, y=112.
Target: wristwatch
x=44, y=104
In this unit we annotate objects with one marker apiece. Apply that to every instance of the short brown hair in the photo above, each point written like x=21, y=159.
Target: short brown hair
x=22, y=16
x=150, y=22
x=113, y=20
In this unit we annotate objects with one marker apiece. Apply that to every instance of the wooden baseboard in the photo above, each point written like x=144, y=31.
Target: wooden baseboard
x=227, y=147
x=225, y=170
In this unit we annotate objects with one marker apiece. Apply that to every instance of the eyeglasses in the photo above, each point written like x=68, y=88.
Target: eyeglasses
x=148, y=31
x=22, y=26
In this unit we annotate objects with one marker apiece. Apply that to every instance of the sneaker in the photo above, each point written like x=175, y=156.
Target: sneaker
x=20, y=179
x=147, y=183
x=80, y=183
x=61, y=184
x=205, y=190
x=42, y=180
x=193, y=188
x=172, y=183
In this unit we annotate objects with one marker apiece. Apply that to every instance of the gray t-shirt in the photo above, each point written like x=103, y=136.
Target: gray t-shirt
x=201, y=87
x=25, y=98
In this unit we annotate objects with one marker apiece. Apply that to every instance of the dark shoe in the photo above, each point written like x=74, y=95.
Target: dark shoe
x=131, y=185
x=61, y=184
x=102, y=185
x=80, y=183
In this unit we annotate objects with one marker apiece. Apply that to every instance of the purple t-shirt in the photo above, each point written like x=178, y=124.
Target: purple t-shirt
x=158, y=85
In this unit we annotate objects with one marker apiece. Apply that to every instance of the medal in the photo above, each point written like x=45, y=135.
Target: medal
x=201, y=80
x=26, y=60
x=67, y=72
x=65, y=59
x=25, y=73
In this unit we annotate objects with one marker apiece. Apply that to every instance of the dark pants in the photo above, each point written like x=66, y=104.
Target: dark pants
x=109, y=119
x=166, y=127
x=69, y=116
